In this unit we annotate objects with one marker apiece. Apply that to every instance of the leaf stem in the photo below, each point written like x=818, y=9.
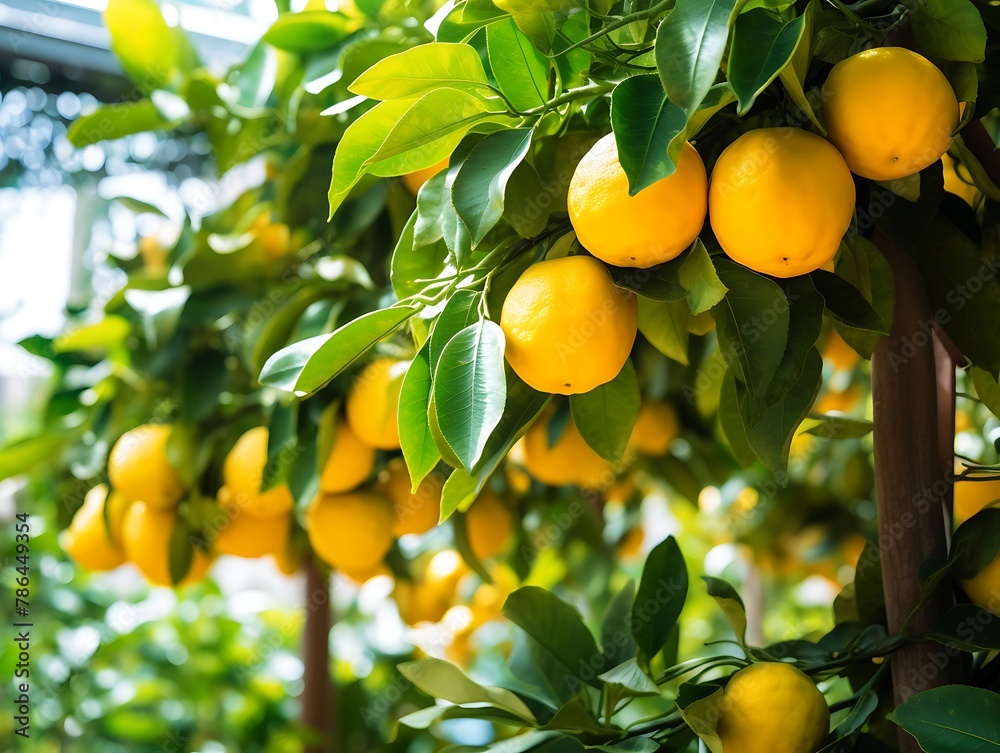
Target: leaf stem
x=581, y=92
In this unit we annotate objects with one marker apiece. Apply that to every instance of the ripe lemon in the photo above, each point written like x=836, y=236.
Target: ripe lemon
x=350, y=462
x=92, y=543
x=570, y=460
x=419, y=602
x=146, y=534
x=958, y=181
x=890, y=111
x=973, y=496
x=780, y=201
x=373, y=402
x=138, y=467
x=413, y=512
x=656, y=427
x=242, y=535
x=350, y=531
x=415, y=180
x=489, y=524
x=774, y=707
x=838, y=353
x=243, y=473
x=568, y=327
x=652, y=227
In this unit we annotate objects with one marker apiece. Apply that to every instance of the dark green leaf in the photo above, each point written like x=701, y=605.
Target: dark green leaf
x=762, y=47
x=952, y=718
x=658, y=602
x=967, y=627
x=616, y=638
x=605, y=415
x=415, y=440
x=847, y=304
x=950, y=29
x=976, y=542
x=629, y=680
x=862, y=264
x=665, y=326
x=659, y=283
x=649, y=130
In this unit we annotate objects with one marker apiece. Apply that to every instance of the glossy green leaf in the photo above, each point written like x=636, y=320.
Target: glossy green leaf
x=422, y=69
x=660, y=598
x=460, y=311
x=606, y=414
x=478, y=191
x=952, y=718
x=616, y=637
x=950, y=29
x=412, y=264
x=519, y=68
x=701, y=708
x=762, y=46
x=846, y=303
x=304, y=367
x=25, y=454
x=648, y=128
x=526, y=202
x=629, y=680
x=415, y=440
x=976, y=542
x=441, y=679
x=731, y=422
x=558, y=627
x=987, y=388
x=690, y=44
x=752, y=325
x=309, y=31
x=665, y=326
x=702, y=285
x=967, y=627
x=730, y=603
x=100, y=336
x=863, y=265
x=793, y=75
x=659, y=283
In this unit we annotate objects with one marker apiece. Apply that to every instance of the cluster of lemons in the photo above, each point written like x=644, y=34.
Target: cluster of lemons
x=779, y=202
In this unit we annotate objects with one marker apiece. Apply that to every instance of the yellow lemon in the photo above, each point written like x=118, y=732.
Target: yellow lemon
x=838, y=353
x=973, y=496
x=138, y=467
x=780, y=201
x=352, y=531
x=413, y=512
x=350, y=462
x=656, y=427
x=415, y=180
x=243, y=473
x=774, y=707
x=146, y=533
x=242, y=535
x=373, y=402
x=651, y=227
x=419, y=602
x=94, y=544
x=490, y=525
x=890, y=111
x=569, y=460
x=568, y=328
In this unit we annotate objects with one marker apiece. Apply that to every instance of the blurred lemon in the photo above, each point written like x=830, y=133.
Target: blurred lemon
x=570, y=460
x=251, y=536
x=350, y=462
x=838, y=353
x=146, y=533
x=94, y=544
x=243, y=473
x=351, y=532
x=139, y=468
x=973, y=496
x=373, y=402
x=414, y=512
x=490, y=525
x=656, y=427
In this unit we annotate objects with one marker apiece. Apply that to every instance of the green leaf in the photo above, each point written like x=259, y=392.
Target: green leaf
x=752, y=325
x=469, y=389
x=952, y=718
x=701, y=708
x=616, y=637
x=180, y=553
x=649, y=130
x=730, y=603
x=422, y=69
x=731, y=422
x=460, y=311
x=846, y=304
x=863, y=709
x=441, y=679
x=836, y=427
x=558, y=627
x=605, y=415
x=100, y=336
x=987, y=389
x=574, y=64
x=658, y=602
x=659, y=283
x=690, y=44
x=522, y=407
x=23, y=455
x=665, y=326
x=951, y=29
x=967, y=627
x=793, y=75
x=433, y=201
x=762, y=46
x=415, y=440
x=412, y=263
x=703, y=288
x=526, y=202
x=770, y=429
x=109, y=122
x=306, y=366
x=629, y=680
x=964, y=291
x=976, y=542
x=150, y=51
x=478, y=191
x=863, y=265
x=309, y=31
x=519, y=68
x=440, y=117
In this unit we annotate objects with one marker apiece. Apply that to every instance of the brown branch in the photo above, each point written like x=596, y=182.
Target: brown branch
x=318, y=703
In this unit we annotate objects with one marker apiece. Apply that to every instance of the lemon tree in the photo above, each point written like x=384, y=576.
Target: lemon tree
x=506, y=256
